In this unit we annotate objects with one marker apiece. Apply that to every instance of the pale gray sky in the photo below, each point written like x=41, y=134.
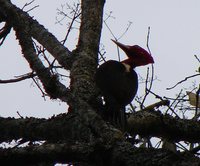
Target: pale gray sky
x=174, y=39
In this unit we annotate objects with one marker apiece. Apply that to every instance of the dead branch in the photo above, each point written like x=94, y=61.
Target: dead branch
x=19, y=78
x=185, y=79
x=85, y=153
x=51, y=84
x=148, y=89
x=155, y=124
x=37, y=31
x=157, y=105
x=49, y=153
x=77, y=13
x=109, y=147
x=168, y=105
x=197, y=58
x=4, y=31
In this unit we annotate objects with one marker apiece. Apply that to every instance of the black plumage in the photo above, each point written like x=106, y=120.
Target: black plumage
x=118, y=85
x=114, y=80
x=118, y=82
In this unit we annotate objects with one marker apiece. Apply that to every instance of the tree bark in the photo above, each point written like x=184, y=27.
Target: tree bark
x=155, y=124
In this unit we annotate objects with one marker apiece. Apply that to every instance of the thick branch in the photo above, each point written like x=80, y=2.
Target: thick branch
x=83, y=126
x=87, y=126
x=37, y=31
x=84, y=67
x=91, y=25
x=50, y=82
x=63, y=127
x=155, y=124
x=122, y=154
x=46, y=153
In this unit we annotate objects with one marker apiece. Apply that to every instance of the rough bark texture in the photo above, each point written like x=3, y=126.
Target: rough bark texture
x=11, y=14
x=152, y=123
x=95, y=154
x=85, y=64
x=82, y=137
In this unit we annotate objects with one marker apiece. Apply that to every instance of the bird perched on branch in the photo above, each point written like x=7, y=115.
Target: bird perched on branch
x=118, y=82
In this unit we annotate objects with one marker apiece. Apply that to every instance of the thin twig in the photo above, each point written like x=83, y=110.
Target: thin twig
x=146, y=90
x=195, y=150
x=148, y=36
x=185, y=79
x=132, y=107
x=110, y=30
x=197, y=58
x=43, y=94
x=147, y=77
x=77, y=13
x=105, y=22
x=101, y=56
x=32, y=8
x=29, y=3
x=169, y=106
x=156, y=105
x=19, y=114
x=112, y=34
x=126, y=30
x=109, y=16
x=4, y=31
x=20, y=78
x=179, y=145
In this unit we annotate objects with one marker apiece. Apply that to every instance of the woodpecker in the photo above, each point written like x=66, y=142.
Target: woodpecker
x=118, y=81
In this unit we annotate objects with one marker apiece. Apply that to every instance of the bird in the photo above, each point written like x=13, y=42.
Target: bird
x=118, y=82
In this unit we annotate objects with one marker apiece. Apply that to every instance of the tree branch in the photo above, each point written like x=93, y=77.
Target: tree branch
x=37, y=31
x=60, y=128
x=46, y=153
x=155, y=124
x=87, y=124
x=122, y=154
x=18, y=78
x=84, y=66
x=50, y=82
x=82, y=126
x=185, y=79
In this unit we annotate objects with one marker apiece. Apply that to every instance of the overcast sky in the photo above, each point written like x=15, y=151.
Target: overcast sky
x=174, y=40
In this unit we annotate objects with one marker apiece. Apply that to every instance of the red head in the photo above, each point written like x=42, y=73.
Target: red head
x=137, y=56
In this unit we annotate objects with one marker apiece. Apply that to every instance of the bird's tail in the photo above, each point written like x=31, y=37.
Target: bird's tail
x=116, y=115
x=123, y=119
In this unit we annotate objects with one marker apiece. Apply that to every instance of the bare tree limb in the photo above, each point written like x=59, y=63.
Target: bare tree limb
x=84, y=66
x=4, y=31
x=154, y=123
x=76, y=14
x=197, y=58
x=90, y=125
x=148, y=89
x=47, y=153
x=60, y=128
x=122, y=154
x=185, y=79
x=157, y=105
x=37, y=31
x=19, y=78
x=29, y=3
x=50, y=82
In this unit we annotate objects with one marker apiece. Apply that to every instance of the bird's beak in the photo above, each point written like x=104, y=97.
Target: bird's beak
x=124, y=47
